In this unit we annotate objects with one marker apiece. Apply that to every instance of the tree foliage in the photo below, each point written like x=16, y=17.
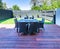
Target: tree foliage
x=1, y=4
x=54, y=4
x=35, y=8
x=4, y=6
x=58, y=3
x=15, y=7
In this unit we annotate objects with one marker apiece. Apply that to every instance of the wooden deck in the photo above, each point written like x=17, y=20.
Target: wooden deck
x=49, y=39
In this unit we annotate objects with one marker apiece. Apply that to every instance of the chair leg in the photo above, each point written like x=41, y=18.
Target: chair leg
x=17, y=30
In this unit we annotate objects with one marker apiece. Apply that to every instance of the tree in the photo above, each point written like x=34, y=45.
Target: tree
x=54, y=4
x=15, y=7
x=58, y=2
x=1, y=4
x=35, y=8
x=45, y=6
x=4, y=6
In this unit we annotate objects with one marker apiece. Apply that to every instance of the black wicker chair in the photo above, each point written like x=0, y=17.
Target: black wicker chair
x=16, y=24
x=41, y=25
x=23, y=28
x=33, y=28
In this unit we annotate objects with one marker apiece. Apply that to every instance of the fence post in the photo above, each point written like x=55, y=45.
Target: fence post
x=54, y=19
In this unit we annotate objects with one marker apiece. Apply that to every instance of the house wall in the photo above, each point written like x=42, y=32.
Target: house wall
x=58, y=16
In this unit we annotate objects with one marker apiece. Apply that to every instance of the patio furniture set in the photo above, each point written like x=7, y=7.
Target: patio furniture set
x=28, y=26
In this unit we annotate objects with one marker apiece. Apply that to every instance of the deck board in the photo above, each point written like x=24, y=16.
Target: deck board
x=49, y=39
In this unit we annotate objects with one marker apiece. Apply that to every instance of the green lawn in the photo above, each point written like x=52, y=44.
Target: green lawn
x=11, y=21
x=7, y=21
x=46, y=21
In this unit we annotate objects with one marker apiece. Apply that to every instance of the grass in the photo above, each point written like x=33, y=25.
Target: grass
x=7, y=21
x=46, y=21
x=11, y=21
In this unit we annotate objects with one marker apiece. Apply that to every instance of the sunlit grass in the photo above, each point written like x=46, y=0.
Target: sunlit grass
x=11, y=21
x=7, y=21
x=46, y=21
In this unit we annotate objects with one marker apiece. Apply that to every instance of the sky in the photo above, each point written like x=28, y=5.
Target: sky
x=23, y=4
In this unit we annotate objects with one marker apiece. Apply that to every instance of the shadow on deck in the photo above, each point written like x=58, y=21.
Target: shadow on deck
x=49, y=39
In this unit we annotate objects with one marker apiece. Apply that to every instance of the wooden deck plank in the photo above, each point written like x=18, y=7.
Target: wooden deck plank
x=49, y=39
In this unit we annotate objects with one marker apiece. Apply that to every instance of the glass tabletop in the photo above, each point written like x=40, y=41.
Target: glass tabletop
x=28, y=20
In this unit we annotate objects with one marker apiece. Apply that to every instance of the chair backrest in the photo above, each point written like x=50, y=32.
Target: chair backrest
x=32, y=17
x=20, y=16
x=37, y=16
x=26, y=17
x=23, y=27
x=15, y=19
x=43, y=20
x=16, y=23
x=33, y=27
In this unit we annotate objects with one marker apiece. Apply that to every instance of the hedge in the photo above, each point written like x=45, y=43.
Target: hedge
x=5, y=14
